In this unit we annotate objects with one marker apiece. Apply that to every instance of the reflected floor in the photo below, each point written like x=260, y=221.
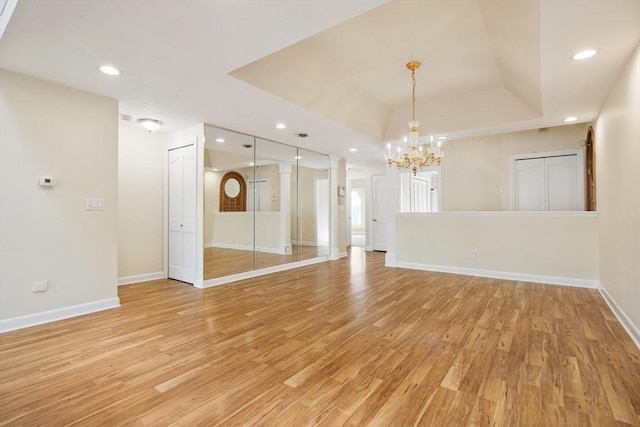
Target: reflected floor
x=220, y=262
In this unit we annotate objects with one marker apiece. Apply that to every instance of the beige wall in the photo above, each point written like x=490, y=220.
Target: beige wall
x=475, y=172
x=211, y=202
x=545, y=244
x=617, y=141
x=306, y=179
x=46, y=234
x=140, y=202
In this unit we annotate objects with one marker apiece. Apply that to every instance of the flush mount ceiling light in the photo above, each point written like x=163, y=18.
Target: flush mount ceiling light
x=570, y=119
x=584, y=54
x=412, y=154
x=220, y=140
x=441, y=138
x=353, y=150
x=150, y=125
x=281, y=126
x=108, y=69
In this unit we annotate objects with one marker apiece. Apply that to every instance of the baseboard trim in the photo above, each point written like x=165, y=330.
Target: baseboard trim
x=523, y=277
x=244, y=248
x=29, y=320
x=127, y=280
x=625, y=321
x=261, y=272
x=342, y=254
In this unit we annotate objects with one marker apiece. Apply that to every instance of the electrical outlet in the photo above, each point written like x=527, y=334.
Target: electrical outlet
x=476, y=253
x=40, y=286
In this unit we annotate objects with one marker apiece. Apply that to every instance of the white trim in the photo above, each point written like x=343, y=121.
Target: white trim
x=535, y=278
x=21, y=322
x=127, y=280
x=245, y=248
x=391, y=260
x=625, y=321
x=542, y=214
x=261, y=272
x=342, y=254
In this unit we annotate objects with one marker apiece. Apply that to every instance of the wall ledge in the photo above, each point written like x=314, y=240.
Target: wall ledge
x=127, y=280
x=625, y=321
x=21, y=322
x=545, y=214
x=506, y=275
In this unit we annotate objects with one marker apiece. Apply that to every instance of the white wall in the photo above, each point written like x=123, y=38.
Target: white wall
x=140, y=202
x=46, y=234
x=546, y=247
x=617, y=142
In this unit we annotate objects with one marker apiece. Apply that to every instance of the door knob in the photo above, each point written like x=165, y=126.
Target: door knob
x=375, y=220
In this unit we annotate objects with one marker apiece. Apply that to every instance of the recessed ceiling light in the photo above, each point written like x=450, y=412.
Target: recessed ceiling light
x=570, y=119
x=442, y=138
x=215, y=169
x=108, y=69
x=584, y=54
x=353, y=150
x=219, y=139
x=297, y=157
x=281, y=126
x=252, y=164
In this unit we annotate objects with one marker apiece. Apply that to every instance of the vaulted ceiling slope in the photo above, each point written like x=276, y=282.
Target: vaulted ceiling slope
x=487, y=65
x=333, y=69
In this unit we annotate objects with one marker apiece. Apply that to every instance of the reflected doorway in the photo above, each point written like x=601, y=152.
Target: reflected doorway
x=358, y=217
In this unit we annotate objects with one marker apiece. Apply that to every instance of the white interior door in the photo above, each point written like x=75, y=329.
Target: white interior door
x=530, y=185
x=563, y=190
x=379, y=212
x=549, y=183
x=182, y=214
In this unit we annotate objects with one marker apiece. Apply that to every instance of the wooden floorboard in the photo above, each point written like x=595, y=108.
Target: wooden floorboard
x=347, y=342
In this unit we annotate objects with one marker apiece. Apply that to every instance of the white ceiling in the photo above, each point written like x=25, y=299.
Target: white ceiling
x=334, y=69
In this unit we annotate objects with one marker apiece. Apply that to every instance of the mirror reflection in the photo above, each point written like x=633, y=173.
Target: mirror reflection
x=265, y=203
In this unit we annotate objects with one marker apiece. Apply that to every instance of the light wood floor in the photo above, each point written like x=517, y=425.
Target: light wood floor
x=347, y=342
x=220, y=262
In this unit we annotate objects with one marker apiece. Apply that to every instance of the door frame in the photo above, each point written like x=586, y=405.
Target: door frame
x=193, y=135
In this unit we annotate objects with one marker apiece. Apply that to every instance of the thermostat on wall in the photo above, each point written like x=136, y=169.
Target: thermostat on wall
x=47, y=181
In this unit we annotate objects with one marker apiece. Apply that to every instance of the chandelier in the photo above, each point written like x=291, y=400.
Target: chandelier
x=411, y=154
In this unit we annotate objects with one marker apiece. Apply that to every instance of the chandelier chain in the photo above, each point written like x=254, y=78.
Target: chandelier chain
x=413, y=95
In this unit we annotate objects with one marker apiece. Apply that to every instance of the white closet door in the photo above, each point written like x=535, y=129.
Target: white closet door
x=182, y=214
x=562, y=186
x=530, y=185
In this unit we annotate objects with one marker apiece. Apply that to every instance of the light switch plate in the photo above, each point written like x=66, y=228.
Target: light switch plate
x=94, y=204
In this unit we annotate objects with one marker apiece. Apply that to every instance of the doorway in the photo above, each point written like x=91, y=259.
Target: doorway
x=182, y=204
x=358, y=217
x=379, y=212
